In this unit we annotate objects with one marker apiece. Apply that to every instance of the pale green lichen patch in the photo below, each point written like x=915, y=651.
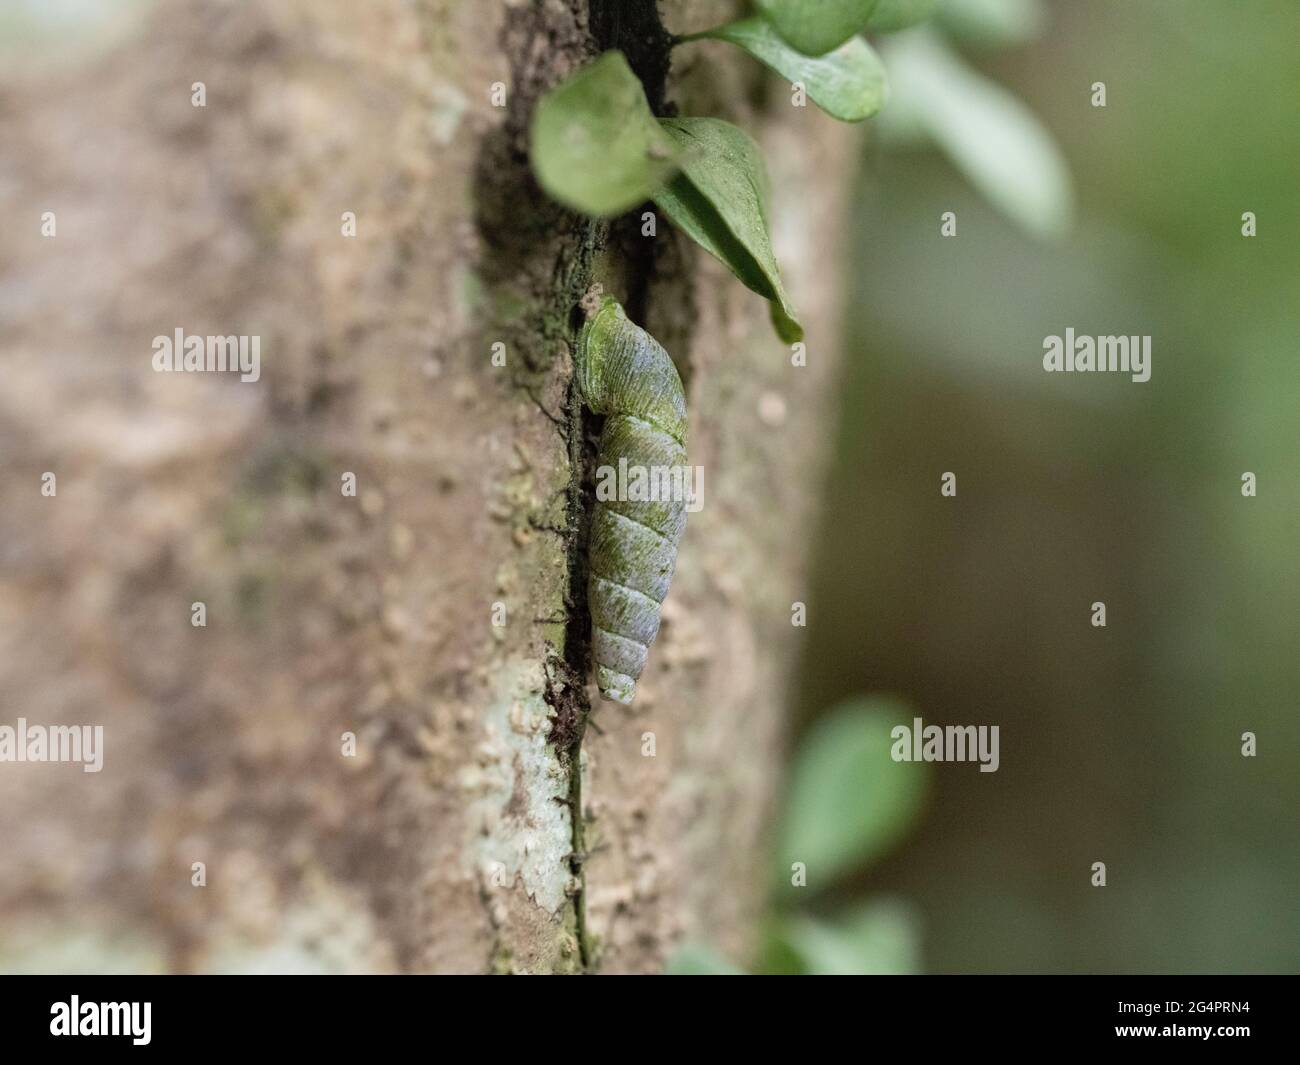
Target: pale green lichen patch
x=519, y=824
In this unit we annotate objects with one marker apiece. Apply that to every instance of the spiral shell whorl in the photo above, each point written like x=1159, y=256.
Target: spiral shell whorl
x=624, y=374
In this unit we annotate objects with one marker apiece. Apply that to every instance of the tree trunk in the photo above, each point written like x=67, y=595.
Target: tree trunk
x=438, y=615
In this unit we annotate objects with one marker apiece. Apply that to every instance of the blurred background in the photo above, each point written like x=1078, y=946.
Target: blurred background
x=1120, y=744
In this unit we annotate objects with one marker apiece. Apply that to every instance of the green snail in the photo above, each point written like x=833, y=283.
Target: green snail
x=624, y=374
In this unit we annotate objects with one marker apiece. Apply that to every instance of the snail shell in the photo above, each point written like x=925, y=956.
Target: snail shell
x=624, y=374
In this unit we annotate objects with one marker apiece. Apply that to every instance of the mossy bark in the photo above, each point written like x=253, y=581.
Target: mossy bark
x=449, y=841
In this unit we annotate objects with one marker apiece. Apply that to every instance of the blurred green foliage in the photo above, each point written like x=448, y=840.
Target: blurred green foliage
x=891, y=15
x=987, y=132
x=992, y=23
x=1119, y=744
x=847, y=802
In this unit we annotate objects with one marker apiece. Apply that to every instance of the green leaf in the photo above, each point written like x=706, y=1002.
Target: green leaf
x=720, y=202
x=815, y=27
x=891, y=15
x=993, y=23
x=596, y=148
x=848, y=800
x=848, y=83
x=986, y=131
x=879, y=938
x=696, y=959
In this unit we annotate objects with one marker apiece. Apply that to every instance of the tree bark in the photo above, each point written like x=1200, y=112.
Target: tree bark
x=492, y=819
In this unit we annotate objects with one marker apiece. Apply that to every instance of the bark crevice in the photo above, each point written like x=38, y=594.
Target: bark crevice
x=541, y=256
x=635, y=29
